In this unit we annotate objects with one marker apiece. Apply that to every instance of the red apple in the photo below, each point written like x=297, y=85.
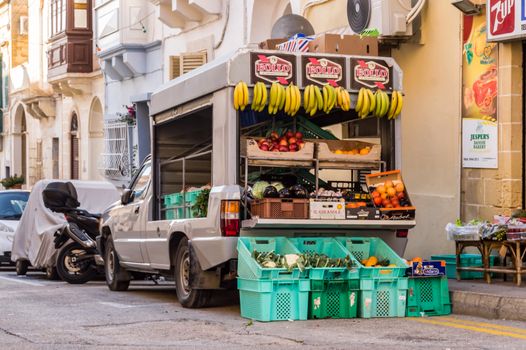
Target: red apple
x=300, y=144
x=274, y=135
x=400, y=195
x=377, y=201
x=293, y=147
x=289, y=134
x=299, y=135
x=283, y=149
x=275, y=149
x=283, y=143
x=386, y=202
x=292, y=140
x=264, y=148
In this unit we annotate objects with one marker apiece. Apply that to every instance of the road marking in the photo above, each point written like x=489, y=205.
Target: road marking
x=483, y=324
x=116, y=305
x=469, y=328
x=21, y=280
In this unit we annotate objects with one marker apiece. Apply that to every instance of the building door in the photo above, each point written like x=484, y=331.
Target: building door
x=74, y=148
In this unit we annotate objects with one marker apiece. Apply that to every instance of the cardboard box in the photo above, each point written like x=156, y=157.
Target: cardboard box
x=328, y=209
x=427, y=269
x=271, y=44
x=344, y=45
x=363, y=213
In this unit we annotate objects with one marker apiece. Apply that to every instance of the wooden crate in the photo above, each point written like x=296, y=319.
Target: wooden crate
x=250, y=149
x=280, y=208
x=377, y=179
x=325, y=152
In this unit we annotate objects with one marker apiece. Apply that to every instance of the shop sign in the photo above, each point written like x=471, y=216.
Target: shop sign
x=322, y=70
x=279, y=68
x=480, y=145
x=506, y=19
x=370, y=73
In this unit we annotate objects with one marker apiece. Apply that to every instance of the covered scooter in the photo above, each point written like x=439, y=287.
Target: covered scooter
x=37, y=236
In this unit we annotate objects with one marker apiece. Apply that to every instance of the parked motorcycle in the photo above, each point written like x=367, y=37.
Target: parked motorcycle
x=76, y=240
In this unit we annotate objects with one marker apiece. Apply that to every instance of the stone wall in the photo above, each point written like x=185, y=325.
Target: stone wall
x=486, y=192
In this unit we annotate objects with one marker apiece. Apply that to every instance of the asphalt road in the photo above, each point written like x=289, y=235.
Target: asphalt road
x=39, y=314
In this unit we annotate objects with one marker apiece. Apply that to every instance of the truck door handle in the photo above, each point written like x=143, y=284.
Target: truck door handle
x=136, y=211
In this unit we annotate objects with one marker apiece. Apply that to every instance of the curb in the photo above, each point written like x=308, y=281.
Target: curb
x=488, y=305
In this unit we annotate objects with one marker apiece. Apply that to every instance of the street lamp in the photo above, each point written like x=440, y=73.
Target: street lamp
x=467, y=7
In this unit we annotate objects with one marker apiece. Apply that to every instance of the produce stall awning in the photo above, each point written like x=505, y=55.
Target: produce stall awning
x=249, y=65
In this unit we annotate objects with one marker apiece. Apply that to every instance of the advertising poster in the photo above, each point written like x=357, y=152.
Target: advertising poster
x=479, y=104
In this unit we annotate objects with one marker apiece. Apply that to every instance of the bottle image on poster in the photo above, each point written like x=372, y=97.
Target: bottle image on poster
x=479, y=100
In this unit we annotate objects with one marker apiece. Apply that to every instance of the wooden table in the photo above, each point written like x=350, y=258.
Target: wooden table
x=515, y=249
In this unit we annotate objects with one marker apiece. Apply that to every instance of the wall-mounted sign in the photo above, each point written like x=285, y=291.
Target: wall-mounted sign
x=506, y=19
x=323, y=70
x=480, y=146
x=370, y=73
x=268, y=69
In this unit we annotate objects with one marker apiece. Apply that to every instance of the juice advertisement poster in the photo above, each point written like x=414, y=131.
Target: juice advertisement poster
x=479, y=100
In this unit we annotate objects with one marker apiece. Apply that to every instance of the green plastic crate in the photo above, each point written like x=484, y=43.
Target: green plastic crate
x=428, y=296
x=173, y=199
x=191, y=197
x=334, y=298
x=382, y=298
x=248, y=268
x=465, y=260
x=333, y=249
x=274, y=300
x=364, y=247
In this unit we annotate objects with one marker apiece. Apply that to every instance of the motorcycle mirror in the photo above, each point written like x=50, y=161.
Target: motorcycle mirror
x=127, y=196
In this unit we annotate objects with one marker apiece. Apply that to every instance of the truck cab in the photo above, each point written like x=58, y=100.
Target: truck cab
x=190, y=201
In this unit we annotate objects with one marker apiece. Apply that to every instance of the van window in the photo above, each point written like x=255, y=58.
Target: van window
x=141, y=182
x=184, y=149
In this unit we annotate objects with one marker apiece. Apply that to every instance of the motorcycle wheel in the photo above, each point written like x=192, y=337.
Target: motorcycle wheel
x=72, y=271
x=21, y=267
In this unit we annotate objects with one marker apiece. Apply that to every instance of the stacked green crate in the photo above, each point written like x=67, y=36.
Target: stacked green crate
x=428, y=296
x=334, y=290
x=270, y=294
x=173, y=204
x=383, y=290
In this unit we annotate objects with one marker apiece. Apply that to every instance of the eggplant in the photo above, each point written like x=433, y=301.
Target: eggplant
x=285, y=193
x=270, y=192
x=298, y=191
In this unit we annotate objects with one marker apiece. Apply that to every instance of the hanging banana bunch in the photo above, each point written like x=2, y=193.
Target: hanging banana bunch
x=397, y=102
x=329, y=98
x=277, y=98
x=312, y=99
x=292, y=100
x=343, y=99
x=259, y=101
x=240, y=96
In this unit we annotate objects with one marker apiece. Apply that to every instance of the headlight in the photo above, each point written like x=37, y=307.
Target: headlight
x=5, y=228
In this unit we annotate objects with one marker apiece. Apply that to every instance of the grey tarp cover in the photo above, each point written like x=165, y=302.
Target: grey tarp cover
x=34, y=236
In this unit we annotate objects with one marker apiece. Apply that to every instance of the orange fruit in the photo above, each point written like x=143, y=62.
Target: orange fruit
x=400, y=187
x=388, y=183
x=417, y=259
x=391, y=192
x=383, y=195
x=364, y=152
x=381, y=189
x=375, y=194
x=354, y=151
x=338, y=151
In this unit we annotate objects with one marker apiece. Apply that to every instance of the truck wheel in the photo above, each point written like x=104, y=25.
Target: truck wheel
x=21, y=267
x=188, y=297
x=117, y=278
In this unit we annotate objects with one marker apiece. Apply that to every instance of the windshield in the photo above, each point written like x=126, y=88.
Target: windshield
x=12, y=205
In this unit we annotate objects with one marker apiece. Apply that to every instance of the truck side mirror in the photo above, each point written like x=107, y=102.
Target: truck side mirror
x=127, y=196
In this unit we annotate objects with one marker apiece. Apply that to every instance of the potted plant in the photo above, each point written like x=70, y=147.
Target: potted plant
x=13, y=182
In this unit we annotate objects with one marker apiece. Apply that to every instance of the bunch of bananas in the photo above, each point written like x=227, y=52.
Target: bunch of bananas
x=292, y=100
x=382, y=103
x=397, y=102
x=241, y=96
x=277, y=98
x=329, y=98
x=367, y=103
x=343, y=99
x=259, y=100
x=312, y=99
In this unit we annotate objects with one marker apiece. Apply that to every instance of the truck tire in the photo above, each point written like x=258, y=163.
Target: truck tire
x=51, y=273
x=188, y=297
x=117, y=278
x=21, y=267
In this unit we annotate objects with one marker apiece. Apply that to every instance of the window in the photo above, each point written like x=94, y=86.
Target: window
x=58, y=17
x=54, y=156
x=141, y=182
x=186, y=62
x=80, y=13
x=74, y=148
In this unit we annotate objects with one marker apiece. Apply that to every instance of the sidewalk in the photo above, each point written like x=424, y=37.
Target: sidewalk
x=499, y=300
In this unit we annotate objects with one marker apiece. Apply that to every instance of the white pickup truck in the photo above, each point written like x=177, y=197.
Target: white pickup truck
x=196, y=141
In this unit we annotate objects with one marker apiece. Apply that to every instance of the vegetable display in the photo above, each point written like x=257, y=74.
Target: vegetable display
x=300, y=261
